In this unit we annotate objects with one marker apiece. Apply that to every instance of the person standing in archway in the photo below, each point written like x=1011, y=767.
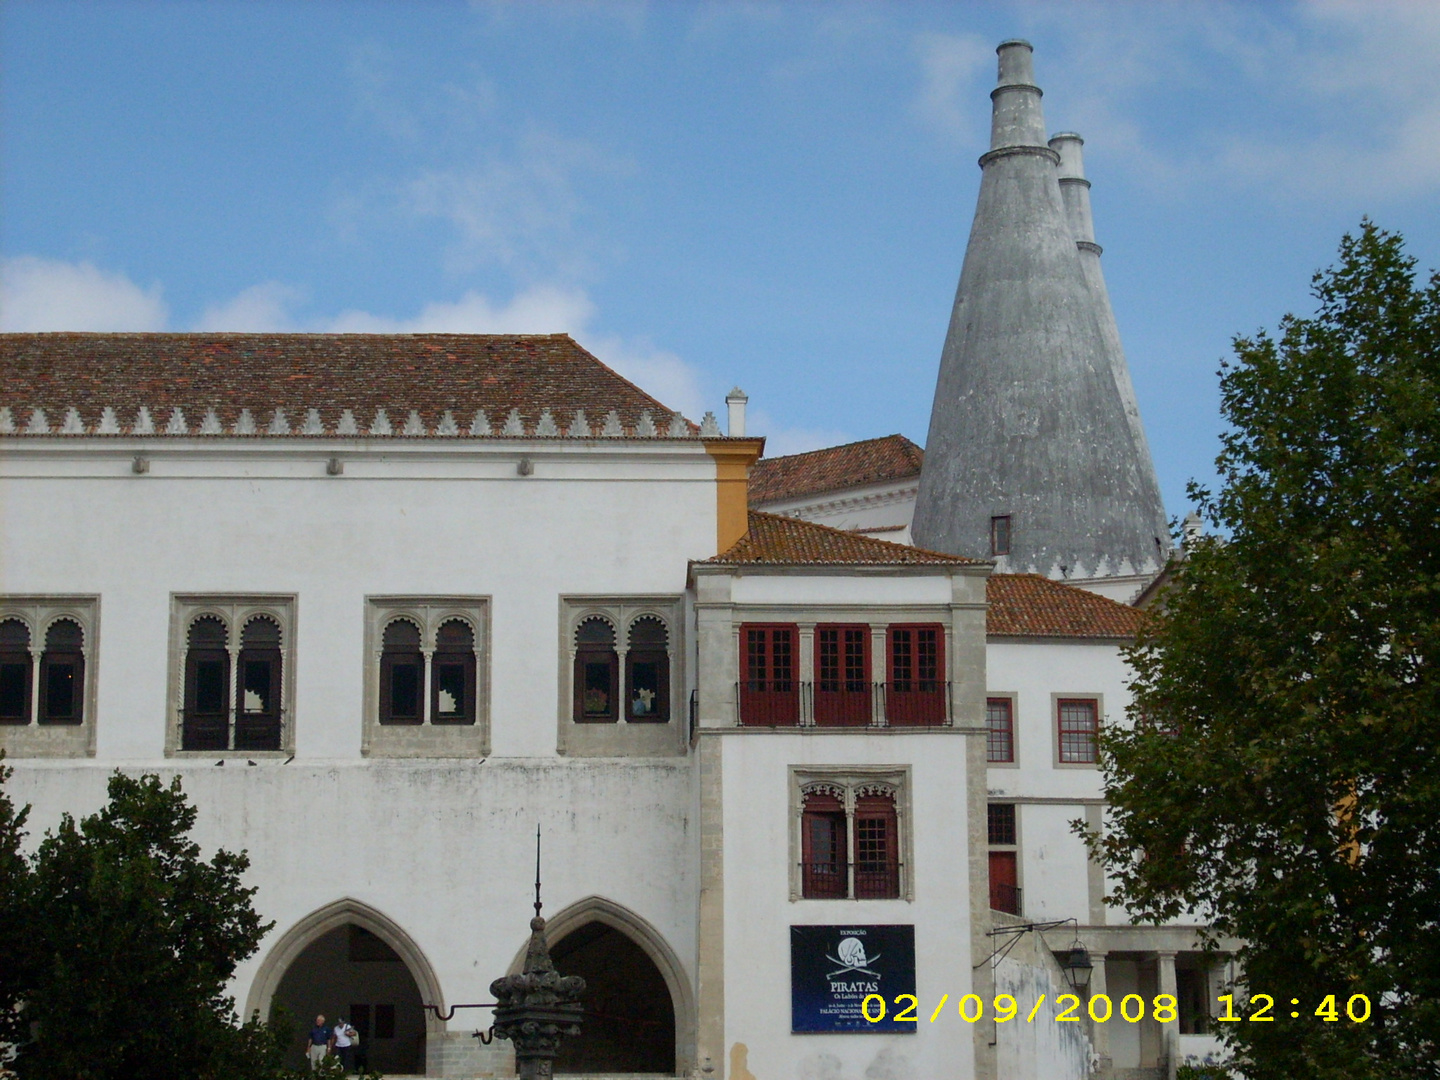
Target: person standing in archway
x=344, y=1044
x=319, y=1043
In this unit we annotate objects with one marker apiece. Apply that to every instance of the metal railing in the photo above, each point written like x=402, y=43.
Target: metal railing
x=824, y=880
x=877, y=881
x=793, y=703
x=839, y=881
x=1005, y=898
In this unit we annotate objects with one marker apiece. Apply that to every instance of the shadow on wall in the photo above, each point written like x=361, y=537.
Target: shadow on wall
x=629, y=1017
x=351, y=973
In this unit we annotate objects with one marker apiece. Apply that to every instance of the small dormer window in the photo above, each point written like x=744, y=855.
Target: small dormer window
x=1000, y=534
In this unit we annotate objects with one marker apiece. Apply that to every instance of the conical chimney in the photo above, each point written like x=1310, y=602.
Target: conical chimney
x=1075, y=192
x=1031, y=456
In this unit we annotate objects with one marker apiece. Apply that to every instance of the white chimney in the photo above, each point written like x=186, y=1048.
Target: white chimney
x=736, y=400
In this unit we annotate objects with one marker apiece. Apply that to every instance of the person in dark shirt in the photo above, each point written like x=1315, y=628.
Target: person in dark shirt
x=319, y=1043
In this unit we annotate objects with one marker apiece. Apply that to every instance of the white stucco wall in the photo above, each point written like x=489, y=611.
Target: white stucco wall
x=759, y=912
x=443, y=848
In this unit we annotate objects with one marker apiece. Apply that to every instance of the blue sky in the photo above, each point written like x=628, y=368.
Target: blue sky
x=769, y=195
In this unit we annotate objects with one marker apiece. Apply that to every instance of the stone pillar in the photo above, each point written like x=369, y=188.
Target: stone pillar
x=1169, y=1033
x=1100, y=1033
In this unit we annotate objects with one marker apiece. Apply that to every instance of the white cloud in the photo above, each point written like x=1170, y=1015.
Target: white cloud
x=50, y=294
x=263, y=307
x=1336, y=106
x=543, y=309
x=950, y=66
x=780, y=440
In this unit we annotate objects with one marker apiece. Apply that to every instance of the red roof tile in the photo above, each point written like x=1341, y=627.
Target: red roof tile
x=428, y=374
x=871, y=461
x=782, y=541
x=1028, y=605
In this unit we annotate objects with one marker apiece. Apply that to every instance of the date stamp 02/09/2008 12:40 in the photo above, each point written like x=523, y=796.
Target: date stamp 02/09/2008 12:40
x=1132, y=1008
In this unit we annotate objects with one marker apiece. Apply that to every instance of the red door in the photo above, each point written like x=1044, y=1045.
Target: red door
x=1004, y=882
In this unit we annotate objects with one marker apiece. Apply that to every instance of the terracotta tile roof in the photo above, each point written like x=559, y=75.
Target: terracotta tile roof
x=321, y=384
x=871, y=461
x=1028, y=605
x=774, y=540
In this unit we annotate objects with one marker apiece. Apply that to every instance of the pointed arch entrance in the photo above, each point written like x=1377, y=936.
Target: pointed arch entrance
x=350, y=960
x=639, y=1004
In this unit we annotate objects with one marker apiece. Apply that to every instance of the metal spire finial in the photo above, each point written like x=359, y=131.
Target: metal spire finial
x=537, y=871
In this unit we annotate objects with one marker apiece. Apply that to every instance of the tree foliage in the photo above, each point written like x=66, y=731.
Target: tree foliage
x=1282, y=775
x=123, y=940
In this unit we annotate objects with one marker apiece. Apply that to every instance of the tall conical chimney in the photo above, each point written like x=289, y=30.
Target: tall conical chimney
x=1029, y=424
x=1075, y=191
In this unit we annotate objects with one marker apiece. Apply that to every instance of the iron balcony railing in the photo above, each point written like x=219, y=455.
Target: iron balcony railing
x=793, y=703
x=1005, y=898
x=833, y=880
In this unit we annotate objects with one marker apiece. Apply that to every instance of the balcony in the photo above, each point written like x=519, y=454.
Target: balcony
x=831, y=881
x=1005, y=898
x=791, y=703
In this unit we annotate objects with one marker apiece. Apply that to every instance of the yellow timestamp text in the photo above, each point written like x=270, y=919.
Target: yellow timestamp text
x=1132, y=1008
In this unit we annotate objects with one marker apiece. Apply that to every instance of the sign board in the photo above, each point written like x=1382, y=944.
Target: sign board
x=834, y=968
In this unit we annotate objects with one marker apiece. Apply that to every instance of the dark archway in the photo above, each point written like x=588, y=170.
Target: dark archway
x=351, y=973
x=629, y=1017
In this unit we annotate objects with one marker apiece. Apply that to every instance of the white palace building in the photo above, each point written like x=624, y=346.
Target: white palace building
x=384, y=603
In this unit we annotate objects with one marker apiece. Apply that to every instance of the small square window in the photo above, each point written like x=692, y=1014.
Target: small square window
x=1000, y=534
x=1000, y=820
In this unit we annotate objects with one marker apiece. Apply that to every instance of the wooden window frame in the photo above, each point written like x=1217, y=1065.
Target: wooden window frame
x=911, y=698
x=647, y=653
x=24, y=659
x=1001, y=536
x=261, y=730
x=864, y=795
x=51, y=658
x=467, y=661
x=832, y=882
x=207, y=731
x=995, y=700
x=1058, y=703
x=402, y=655
x=769, y=700
x=1004, y=896
x=850, y=701
x=588, y=654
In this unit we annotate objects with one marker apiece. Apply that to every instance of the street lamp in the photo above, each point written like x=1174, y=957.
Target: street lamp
x=1077, y=967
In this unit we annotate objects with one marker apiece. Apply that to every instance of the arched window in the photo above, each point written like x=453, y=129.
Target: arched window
x=824, y=845
x=62, y=674
x=206, y=724
x=257, y=691
x=877, y=844
x=597, y=672
x=15, y=672
x=402, y=674
x=647, y=672
x=452, y=695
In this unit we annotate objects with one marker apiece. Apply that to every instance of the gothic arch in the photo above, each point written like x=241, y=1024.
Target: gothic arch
x=316, y=925
x=598, y=909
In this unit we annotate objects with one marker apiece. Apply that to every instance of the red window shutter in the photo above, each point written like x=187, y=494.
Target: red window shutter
x=877, y=848
x=1079, y=722
x=842, y=675
x=916, y=693
x=769, y=690
x=824, y=846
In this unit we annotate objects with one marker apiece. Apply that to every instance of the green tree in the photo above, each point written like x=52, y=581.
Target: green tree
x=1282, y=774
x=129, y=941
x=14, y=910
